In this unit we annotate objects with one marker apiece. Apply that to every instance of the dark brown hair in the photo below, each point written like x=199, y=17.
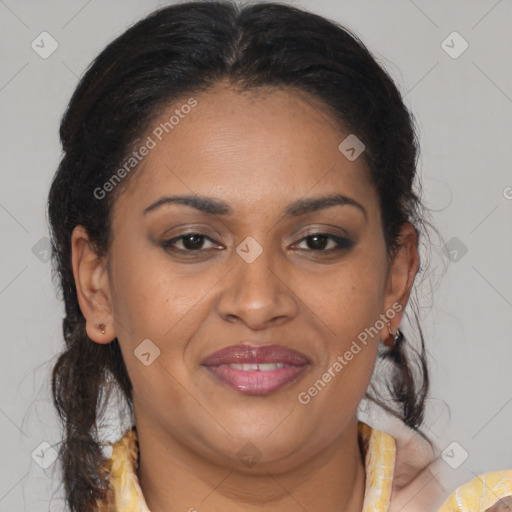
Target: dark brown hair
x=181, y=50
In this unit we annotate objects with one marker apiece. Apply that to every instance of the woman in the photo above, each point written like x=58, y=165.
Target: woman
x=236, y=231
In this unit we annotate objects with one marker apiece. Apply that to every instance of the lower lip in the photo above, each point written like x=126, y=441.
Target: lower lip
x=255, y=382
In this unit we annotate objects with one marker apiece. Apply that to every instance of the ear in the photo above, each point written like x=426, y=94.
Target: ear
x=92, y=286
x=401, y=274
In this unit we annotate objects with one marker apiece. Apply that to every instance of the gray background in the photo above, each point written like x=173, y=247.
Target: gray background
x=463, y=108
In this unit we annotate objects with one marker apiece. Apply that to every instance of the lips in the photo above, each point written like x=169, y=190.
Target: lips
x=256, y=354
x=256, y=370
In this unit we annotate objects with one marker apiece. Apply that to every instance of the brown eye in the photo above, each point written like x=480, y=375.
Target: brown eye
x=189, y=242
x=323, y=242
x=193, y=242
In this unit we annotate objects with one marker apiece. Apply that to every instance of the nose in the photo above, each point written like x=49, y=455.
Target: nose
x=257, y=294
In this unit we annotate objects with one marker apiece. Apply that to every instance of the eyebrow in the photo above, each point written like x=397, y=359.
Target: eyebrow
x=295, y=209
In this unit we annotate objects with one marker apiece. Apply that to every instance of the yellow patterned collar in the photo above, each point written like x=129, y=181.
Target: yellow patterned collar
x=125, y=494
x=489, y=492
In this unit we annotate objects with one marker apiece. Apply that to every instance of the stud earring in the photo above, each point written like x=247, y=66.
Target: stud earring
x=396, y=338
x=101, y=327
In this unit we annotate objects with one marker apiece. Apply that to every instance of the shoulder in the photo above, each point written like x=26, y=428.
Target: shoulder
x=488, y=492
x=421, y=484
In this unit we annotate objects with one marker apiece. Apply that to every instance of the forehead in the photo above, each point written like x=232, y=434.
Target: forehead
x=266, y=145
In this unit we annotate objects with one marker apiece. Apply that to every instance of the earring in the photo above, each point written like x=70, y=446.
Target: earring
x=396, y=338
x=101, y=327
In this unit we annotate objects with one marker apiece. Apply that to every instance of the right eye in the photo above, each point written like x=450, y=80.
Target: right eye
x=190, y=242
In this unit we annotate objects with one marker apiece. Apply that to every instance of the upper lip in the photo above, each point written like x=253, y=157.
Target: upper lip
x=246, y=354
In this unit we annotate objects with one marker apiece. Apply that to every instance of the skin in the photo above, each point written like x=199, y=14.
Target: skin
x=258, y=152
x=503, y=505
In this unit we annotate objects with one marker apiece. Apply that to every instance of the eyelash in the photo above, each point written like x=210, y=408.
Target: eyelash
x=341, y=243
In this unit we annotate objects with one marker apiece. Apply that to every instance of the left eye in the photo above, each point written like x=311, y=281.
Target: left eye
x=325, y=242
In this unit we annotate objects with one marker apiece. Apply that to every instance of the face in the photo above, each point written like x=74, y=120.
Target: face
x=258, y=258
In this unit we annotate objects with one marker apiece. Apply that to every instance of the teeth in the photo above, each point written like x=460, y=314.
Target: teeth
x=262, y=367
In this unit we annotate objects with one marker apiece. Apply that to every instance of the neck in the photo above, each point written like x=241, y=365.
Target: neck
x=334, y=479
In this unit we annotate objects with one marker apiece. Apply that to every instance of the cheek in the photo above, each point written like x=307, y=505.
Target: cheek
x=153, y=302
x=348, y=301
x=151, y=295
x=348, y=298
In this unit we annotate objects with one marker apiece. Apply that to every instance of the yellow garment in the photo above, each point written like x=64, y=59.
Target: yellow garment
x=379, y=448
x=490, y=492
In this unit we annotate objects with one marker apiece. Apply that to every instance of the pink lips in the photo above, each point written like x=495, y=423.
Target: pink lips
x=225, y=364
